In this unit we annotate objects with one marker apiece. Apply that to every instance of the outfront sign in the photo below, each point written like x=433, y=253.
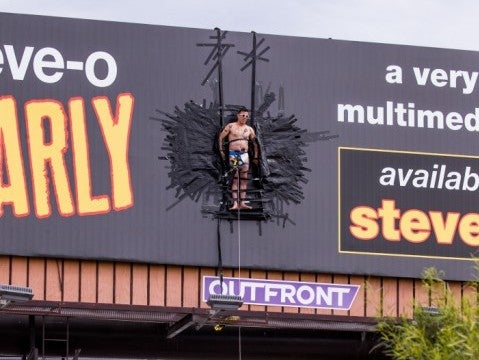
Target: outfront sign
x=367, y=160
x=282, y=293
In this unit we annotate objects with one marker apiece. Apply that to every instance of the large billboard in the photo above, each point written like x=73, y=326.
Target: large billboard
x=362, y=157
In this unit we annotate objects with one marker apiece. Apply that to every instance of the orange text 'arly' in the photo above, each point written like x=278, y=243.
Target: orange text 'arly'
x=51, y=130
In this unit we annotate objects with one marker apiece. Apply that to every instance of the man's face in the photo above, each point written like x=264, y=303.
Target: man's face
x=243, y=117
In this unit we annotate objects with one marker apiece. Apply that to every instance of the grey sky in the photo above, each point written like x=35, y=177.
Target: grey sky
x=436, y=23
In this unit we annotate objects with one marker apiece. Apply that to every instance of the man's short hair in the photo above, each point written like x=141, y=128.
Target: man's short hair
x=242, y=109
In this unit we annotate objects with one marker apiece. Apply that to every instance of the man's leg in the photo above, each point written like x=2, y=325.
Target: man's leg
x=243, y=185
x=234, y=190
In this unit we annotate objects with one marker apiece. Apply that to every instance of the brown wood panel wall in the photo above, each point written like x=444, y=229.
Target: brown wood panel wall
x=180, y=286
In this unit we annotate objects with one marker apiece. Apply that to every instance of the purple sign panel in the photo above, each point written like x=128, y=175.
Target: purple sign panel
x=283, y=293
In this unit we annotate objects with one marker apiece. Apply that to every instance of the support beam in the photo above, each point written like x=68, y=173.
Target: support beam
x=31, y=326
x=184, y=323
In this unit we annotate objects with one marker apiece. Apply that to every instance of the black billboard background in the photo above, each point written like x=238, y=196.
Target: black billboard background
x=162, y=67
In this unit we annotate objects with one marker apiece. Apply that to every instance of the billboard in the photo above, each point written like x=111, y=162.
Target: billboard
x=364, y=157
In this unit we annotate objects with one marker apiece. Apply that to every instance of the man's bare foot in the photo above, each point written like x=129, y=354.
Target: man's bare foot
x=244, y=206
x=234, y=207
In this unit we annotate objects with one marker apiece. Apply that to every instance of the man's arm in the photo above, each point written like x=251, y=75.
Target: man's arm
x=222, y=136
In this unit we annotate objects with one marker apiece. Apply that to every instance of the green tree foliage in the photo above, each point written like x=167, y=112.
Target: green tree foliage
x=447, y=329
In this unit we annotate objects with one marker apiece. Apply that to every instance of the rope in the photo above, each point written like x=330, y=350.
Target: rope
x=239, y=254
x=239, y=222
x=220, y=256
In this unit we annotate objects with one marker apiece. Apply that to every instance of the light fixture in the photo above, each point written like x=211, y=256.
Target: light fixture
x=430, y=310
x=219, y=327
x=13, y=293
x=225, y=302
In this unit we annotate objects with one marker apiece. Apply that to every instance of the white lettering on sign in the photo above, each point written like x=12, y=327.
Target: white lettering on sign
x=283, y=293
x=49, y=65
x=465, y=80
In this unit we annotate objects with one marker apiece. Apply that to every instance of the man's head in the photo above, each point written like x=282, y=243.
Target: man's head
x=242, y=115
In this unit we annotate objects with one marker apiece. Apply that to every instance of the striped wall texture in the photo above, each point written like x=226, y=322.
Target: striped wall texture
x=180, y=286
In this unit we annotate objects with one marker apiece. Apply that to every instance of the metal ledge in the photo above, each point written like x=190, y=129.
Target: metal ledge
x=176, y=315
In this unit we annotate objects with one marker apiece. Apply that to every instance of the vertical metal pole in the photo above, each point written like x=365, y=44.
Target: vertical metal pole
x=31, y=325
x=68, y=338
x=43, y=337
x=253, y=80
x=219, y=54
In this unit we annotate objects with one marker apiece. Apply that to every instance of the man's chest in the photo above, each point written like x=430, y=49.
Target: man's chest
x=240, y=132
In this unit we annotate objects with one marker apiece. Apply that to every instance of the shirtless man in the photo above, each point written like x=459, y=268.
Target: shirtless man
x=239, y=134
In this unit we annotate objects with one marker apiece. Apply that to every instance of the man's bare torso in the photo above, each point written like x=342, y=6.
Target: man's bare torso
x=238, y=137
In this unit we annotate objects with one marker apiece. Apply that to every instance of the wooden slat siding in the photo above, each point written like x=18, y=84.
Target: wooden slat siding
x=390, y=297
x=122, y=283
x=173, y=285
x=231, y=273
x=19, y=274
x=469, y=293
x=88, y=286
x=357, y=308
x=274, y=275
x=157, y=285
x=290, y=276
x=455, y=289
x=105, y=283
x=208, y=272
x=341, y=280
x=421, y=294
x=257, y=274
x=71, y=280
x=181, y=286
x=191, y=287
x=4, y=270
x=326, y=279
x=53, y=279
x=406, y=298
x=36, y=278
x=140, y=284
x=373, y=297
